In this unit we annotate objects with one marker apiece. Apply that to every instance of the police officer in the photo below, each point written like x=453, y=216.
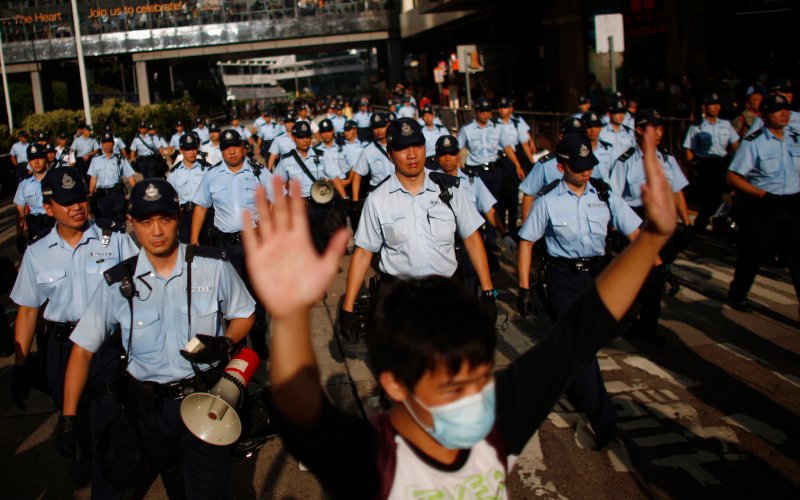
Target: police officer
x=28, y=199
x=573, y=214
x=283, y=142
x=65, y=157
x=783, y=88
x=407, y=110
x=175, y=141
x=211, y=149
x=42, y=138
x=374, y=161
x=338, y=119
x=19, y=155
x=179, y=293
x=185, y=177
x=766, y=174
x=616, y=132
x=706, y=144
x=119, y=145
x=516, y=160
x=237, y=126
x=627, y=179
x=85, y=147
x=413, y=219
x=267, y=130
x=363, y=121
x=146, y=151
x=200, y=129
x=303, y=110
x=546, y=169
x=333, y=156
x=584, y=106
x=432, y=132
x=63, y=269
x=306, y=166
x=519, y=131
x=106, y=176
x=230, y=187
x=603, y=151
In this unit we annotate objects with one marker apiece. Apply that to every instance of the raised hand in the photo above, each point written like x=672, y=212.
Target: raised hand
x=286, y=272
x=657, y=196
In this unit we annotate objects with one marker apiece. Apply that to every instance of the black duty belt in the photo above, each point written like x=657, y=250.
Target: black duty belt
x=59, y=330
x=106, y=190
x=187, y=207
x=585, y=264
x=235, y=237
x=486, y=167
x=171, y=390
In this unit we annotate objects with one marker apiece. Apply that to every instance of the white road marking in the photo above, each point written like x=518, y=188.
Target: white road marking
x=788, y=377
x=738, y=351
x=662, y=373
x=619, y=458
x=531, y=464
x=673, y=411
x=757, y=427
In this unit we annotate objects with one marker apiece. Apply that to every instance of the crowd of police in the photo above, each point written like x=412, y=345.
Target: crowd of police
x=118, y=275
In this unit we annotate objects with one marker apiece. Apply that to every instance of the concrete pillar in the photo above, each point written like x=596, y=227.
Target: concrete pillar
x=36, y=86
x=143, y=83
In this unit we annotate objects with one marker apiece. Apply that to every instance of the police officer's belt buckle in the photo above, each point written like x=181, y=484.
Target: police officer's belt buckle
x=232, y=238
x=322, y=192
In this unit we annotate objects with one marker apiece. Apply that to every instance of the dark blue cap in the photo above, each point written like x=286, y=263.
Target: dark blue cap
x=711, y=98
x=326, y=125
x=575, y=151
x=229, y=138
x=64, y=185
x=427, y=109
x=783, y=85
x=151, y=196
x=404, y=132
x=22, y=133
x=290, y=117
x=107, y=137
x=188, y=141
x=483, y=104
x=648, y=116
x=350, y=125
x=505, y=102
x=378, y=120
x=774, y=102
x=179, y=123
x=617, y=106
x=41, y=136
x=583, y=100
x=591, y=119
x=151, y=126
x=572, y=125
x=36, y=150
x=213, y=128
x=199, y=120
x=390, y=116
x=301, y=129
x=446, y=145
x=142, y=125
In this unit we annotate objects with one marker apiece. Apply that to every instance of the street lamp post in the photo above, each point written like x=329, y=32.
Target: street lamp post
x=87, y=111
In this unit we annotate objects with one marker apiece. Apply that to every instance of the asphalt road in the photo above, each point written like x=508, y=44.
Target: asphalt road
x=713, y=413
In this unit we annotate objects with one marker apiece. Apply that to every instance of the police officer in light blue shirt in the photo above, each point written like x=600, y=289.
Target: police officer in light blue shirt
x=201, y=130
x=784, y=88
x=283, y=142
x=603, y=151
x=766, y=174
x=266, y=130
x=85, y=147
x=147, y=148
x=338, y=119
x=106, y=189
x=161, y=299
x=363, y=121
x=706, y=145
x=584, y=106
x=237, y=126
x=174, y=143
x=28, y=199
x=616, y=132
x=185, y=177
x=374, y=160
x=211, y=149
x=230, y=187
x=333, y=155
x=432, y=132
x=19, y=155
x=573, y=215
x=63, y=269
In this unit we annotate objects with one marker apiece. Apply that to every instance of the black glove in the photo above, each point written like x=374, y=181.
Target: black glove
x=348, y=325
x=67, y=441
x=21, y=243
x=356, y=206
x=20, y=386
x=215, y=349
x=523, y=306
x=489, y=301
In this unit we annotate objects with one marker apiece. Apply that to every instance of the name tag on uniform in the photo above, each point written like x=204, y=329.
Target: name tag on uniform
x=596, y=205
x=201, y=289
x=101, y=254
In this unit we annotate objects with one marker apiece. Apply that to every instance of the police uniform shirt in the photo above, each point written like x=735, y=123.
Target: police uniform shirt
x=373, y=161
x=482, y=143
x=770, y=163
x=543, y=173
x=334, y=160
x=64, y=156
x=66, y=277
x=415, y=234
x=230, y=193
x=620, y=140
x=431, y=135
x=604, y=153
x=19, y=151
x=186, y=181
x=212, y=151
x=84, y=145
x=576, y=226
x=627, y=175
x=282, y=144
x=362, y=119
x=476, y=192
x=29, y=194
x=289, y=170
x=629, y=121
x=175, y=140
x=268, y=131
x=259, y=122
x=515, y=130
x=407, y=112
x=109, y=170
x=338, y=123
x=160, y=314
x=142, y=144
x=794, y=122
x=202, y=133
x=351, y=151
x=119, y=145
x=243, y=132
x=720, y=132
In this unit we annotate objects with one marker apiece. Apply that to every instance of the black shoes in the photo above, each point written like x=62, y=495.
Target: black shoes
x=742, y=305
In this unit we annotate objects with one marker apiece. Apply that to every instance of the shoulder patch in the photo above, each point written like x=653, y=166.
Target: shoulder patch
x=319, y=152
x=603, y=189
x=39, y=237
x=627, y=154
x=606, y=145
x=544, y=159
x=119, y=271
x=210, y=252
x=548, y=188
x=754, y=135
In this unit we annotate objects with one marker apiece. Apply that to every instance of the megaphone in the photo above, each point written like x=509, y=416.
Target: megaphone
x=322, y=192
x=211, y=416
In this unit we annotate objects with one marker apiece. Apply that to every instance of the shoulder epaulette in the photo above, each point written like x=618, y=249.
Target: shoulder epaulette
x=754, y=135
x=627, y=128
x=627, y=154
x=204, y=165
x=605, y=144
x=210, y=252
x=602, y=187
x=319, y=152
x=286, y=155
x=40, y=236
x=544, y=159
x=496, y=121
x=548, y=188
x=119, y=271
x=664, y=150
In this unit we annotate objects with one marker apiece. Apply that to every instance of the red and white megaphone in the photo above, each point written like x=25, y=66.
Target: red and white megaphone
x=211, y=416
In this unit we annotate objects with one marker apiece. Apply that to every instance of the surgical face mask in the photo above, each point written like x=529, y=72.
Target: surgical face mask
x=463, y=423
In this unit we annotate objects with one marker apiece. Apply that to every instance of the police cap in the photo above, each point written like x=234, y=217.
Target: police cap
x=617, y=106
x=572, y=125
x=350, y=125
x=325, y=126
x=446, y=145
x=648, y=116
x=179, y=123
x=234, y=117
x=426, y=110
x=22, y=133
x=62, y=135
x=64, y=185
x=142, y=125
x=107, y=137
x=783, y=85
x=504, y=102
x=36, y=150
x=213, y=128
x=41, y=136
x=151, y=196
x=583, y=100
x=575, y=151
x=711, y=98
x=151, y=126
x=188, y=141
x=391, y=116
x=591, y=119
x=404, y=132
x=773, y=103
x=290, y=117
x=483, y=104
x=199, y=120
x=229, y=138
x=378, y=120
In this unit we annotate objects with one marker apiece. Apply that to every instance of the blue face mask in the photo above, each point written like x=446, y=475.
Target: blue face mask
x=463, y=423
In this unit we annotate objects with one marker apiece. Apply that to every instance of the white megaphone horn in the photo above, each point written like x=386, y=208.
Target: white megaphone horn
x=211, y=416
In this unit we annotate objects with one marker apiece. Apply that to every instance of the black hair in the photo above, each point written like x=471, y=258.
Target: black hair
x=418, y=324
